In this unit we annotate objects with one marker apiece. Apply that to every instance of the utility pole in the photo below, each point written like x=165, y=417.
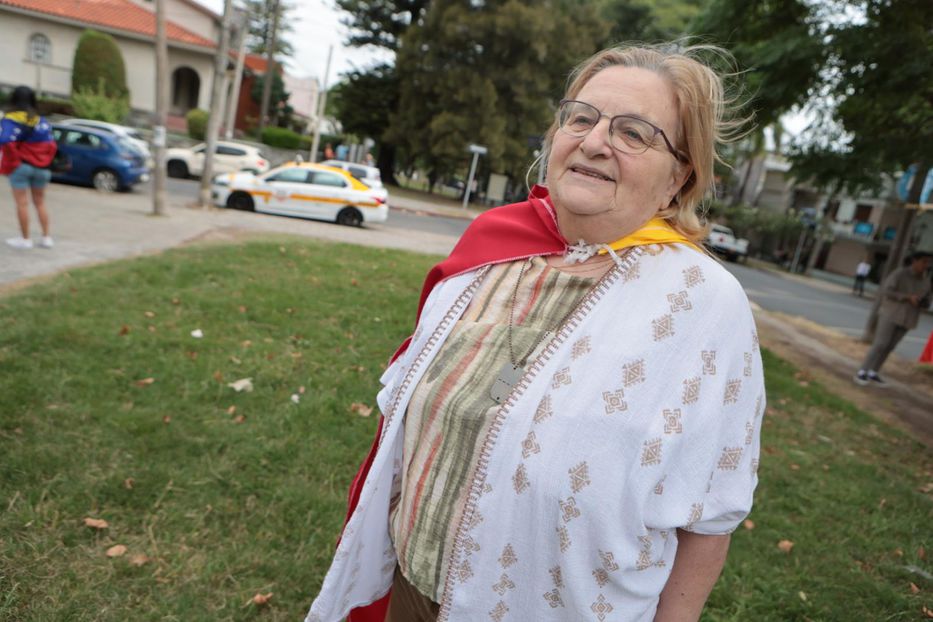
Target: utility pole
x=899, y=245
x=217, y=97
x=161, y=108
x=233, y=104
x=321, y=104
x=271, y=40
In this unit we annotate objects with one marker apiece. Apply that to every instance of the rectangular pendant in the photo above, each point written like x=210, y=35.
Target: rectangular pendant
x=508, y=375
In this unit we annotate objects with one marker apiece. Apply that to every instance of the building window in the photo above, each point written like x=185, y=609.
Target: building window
x=40, y=49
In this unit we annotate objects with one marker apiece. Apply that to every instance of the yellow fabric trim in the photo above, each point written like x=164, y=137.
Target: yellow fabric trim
x=655, y=231
x=22, y=117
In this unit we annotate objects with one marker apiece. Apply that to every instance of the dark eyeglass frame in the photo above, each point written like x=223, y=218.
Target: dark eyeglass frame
x=677, y=155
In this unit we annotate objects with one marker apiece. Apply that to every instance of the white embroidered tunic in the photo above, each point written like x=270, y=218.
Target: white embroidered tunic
x=641, y=416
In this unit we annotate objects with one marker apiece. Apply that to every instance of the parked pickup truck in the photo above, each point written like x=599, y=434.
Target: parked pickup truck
x=722, y=240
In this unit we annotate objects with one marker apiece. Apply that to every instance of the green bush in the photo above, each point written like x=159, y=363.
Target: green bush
x=197, y=123
x=88, y=103
x=54, y=105
x=281, y=137
x=97, y=58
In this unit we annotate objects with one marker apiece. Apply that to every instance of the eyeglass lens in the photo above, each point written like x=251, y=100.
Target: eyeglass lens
x=627, y=134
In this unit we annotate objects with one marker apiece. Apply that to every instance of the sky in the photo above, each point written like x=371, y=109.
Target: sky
x=316, y=27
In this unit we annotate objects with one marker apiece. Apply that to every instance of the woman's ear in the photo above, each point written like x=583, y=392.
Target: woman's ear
x=681, y=179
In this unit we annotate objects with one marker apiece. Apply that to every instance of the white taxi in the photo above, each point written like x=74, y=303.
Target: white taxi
x=305, y=190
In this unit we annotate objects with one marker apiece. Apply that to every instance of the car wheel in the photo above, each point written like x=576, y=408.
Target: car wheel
x=241, y=201
x=350, y=216
x=177, y=168
x=106, y=181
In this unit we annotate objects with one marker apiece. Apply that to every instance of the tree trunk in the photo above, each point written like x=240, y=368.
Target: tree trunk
x=386, y=164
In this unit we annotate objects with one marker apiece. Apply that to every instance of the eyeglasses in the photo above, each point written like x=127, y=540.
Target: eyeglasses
x=627, y=134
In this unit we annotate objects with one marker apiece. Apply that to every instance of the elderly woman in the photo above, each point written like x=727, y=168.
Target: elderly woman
x=572, y=431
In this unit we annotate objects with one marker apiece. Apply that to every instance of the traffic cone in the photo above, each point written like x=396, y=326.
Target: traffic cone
x=927, y=355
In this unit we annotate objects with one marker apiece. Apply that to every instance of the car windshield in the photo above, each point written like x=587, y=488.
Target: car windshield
x=126, y=145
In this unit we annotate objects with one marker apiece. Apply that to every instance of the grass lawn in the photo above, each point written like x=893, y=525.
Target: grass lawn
x=110, y=409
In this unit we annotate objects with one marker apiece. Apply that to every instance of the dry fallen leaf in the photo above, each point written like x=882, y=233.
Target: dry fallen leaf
x=96, y=523
x=354, y=282
x=239, y=419
x=913, y=588
x=795, y=467
x=139, y=559
x=899, y=552
x=361, y=409
x=785, y=546
x=192, y=355
x=152, y=328
x=242, y=309
x=176, y=301
x=218, y=376
x=246, y=343
x=927, y=612
x=231, y=410
x=261, y=599
x=235, y=360
x=116, y=550
x=128, y=483
x=301, y=390
x=803, y=596
x=145, y=382
x=922, y=553
x=149, y=314
x=124, y=330
x=166, y=419
x=748, y=524
x=243, y=384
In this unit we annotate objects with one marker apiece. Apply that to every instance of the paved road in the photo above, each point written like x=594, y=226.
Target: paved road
x=183, y=191
x=826, y=304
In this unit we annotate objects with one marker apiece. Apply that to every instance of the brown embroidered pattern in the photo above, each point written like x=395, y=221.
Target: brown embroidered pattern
x=731, y=394
x=564, y=537
x=755, y=338
x=601, y=576
x=561, y=377
x=601, y=607
x=672, y=423
x=609, y=561
x=503, y=585
x=544, y=409
x=508, y=556
x=475, y=520
x=709, y=362
x=659, y=487
x=679, y=301
x=696, y=513
x=553, y=599
x=579, y=477
x=632, y=273
x=470, y=546
x=754, y=465
x=747, y=371
x=556, y=576
x=633, y=373
x=520, y=479
x=651, y=452
x=729, y=461
x=758, y=407
x=749, y=432
x=498, y=612
x=580, y=347
x=691, y=390
x=693, y=276
x=614, y=401
x=644, y=556
x=663, y=327
x=530, y=446
x=569, y=509
x=465, y=571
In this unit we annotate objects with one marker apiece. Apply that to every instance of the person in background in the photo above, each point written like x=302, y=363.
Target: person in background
x=861, y=273
x=26, y=153
x=328, y=151
x=902, y=295
x=573, y=429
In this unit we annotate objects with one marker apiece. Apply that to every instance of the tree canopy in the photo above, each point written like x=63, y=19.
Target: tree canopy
x=259, y=26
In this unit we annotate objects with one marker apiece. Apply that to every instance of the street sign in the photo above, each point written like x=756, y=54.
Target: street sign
x=478, y=149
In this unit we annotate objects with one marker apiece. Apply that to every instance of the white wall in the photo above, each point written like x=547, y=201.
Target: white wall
x=55, y=78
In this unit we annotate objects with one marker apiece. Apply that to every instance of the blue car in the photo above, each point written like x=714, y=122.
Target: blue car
x=107, y=162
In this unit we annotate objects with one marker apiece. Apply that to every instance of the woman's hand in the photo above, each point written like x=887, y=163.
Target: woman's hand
x=696, y=568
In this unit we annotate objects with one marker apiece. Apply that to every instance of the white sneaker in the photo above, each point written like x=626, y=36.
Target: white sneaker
x=46, y=242
x=19, y=243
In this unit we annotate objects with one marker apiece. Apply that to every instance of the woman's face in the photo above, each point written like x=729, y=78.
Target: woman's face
x=601, y=194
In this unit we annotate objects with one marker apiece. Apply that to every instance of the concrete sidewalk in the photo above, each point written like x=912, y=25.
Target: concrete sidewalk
x=91, y=227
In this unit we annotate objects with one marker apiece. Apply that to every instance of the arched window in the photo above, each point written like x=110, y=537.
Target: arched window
x=40, y=49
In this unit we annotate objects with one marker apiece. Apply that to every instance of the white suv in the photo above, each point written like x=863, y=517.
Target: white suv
x=229, y=157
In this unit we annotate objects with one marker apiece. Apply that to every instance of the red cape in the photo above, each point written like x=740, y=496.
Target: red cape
x=501, y=234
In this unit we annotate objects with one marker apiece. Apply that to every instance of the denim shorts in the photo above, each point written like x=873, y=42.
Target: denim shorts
x=28, y=176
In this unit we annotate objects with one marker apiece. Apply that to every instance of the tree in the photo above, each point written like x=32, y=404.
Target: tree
x=381, y=22
x=641, y=20
x=364, y=101
x=278, y=100
x=488, y=74
x=98, y=62
x=259, y=27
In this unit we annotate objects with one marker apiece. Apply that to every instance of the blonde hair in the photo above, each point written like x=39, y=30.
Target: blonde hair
x=707, y=116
